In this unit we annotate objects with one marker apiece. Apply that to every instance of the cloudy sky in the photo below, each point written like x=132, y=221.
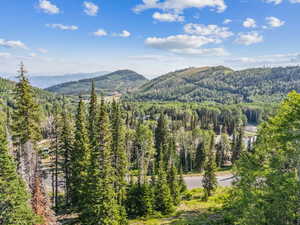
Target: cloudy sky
x=149, y=36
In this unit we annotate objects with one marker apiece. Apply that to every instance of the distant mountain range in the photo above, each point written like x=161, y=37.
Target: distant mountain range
x=48, y=81
x=221, y=84
x=116, y=83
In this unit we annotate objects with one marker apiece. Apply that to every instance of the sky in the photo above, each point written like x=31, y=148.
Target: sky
x=152, y=37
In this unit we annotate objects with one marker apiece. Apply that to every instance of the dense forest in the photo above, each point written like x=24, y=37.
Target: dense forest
x=221, y=84
x=116, y=83
x=93, y=160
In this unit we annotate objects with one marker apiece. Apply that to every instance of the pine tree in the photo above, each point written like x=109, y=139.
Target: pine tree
x=223, y=148
x=26, y=117
x=163, y=198
x=200, y=157
x=209, y=179
x=79, y=159
x=14, y=200
x=119, y=158
x=161, y=140
x=238, y=146
x=102, y=205
x=66, y=147
x=174, y=184
x=93, y=120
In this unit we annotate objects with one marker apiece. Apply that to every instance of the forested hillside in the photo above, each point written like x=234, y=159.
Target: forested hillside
x=221, y=84
x=115, y=83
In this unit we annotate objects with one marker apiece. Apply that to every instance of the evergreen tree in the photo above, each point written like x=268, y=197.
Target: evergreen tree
x=174, y=184
x=14, y=200
x=223, y=148
x=200, y=156
x=79, y=159
x=238, y=146
x=163, y=198
x=120, y=161
x=161, y=139
x=182, y=183
x=66, y=147
x=102, y=202
x=93, y=120
x=209, y=179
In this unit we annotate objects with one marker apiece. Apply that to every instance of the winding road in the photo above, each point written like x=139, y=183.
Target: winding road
x=196, y=181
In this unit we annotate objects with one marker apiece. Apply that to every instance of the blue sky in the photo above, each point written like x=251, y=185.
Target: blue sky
x=149, y=36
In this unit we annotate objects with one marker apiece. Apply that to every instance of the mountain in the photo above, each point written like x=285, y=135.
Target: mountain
x=118, y=82
x=48, y=81
x=221, y=84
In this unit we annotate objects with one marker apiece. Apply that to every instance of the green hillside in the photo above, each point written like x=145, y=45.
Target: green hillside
x=221, y=84
x=115, y=83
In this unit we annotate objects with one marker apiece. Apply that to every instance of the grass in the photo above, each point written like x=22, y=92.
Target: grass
x=191, y=212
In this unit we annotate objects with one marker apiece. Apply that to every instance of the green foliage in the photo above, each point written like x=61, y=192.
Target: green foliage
x=120, y=81
x=14, y=200
x=221, y=84
x=174, y=185
x=267, y=191
x=209, y=179
x=79, y=158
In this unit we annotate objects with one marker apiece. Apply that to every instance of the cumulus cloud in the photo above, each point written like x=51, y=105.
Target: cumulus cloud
x=276, y=2
x=167, y=17
x=47, y=7
x=227, y=21
x=249, y=23
x=180, y=5
x=123, y=34
x=100, y=33
x=62, y=27
x=12, y=44
x=91, y=9
x=185, y=44
x=249, y=38
x=209, y=30
x=274, y=22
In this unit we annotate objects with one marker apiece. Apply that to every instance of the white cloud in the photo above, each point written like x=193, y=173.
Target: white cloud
x=32, y=54
x=100, y=33
x=180, y=5
x=123, y=34
x=62, y=27
x=249, y=22
x=12, y=44
x=185, y=44
x=47, y=7
x=42, y=50
x=274, y=22
x=269, y=60
x=167, y=17
x=295, y=1
x=4, y=54
x=209, y=30
x=90, y=8
x=276, y=2
x=249, y=38
x=227, y=21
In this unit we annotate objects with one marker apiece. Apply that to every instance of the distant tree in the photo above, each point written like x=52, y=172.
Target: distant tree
x=174, y=184
x=161, y=139
x=92, y=117
x=238, y=146
x=222, y=150
x=209, y=179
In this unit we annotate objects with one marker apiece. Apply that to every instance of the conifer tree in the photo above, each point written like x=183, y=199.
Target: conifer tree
x=200, y=157
x=102, y=200
x=209, y=179
x=238, y=146
x=26, y=119
x=79, y=157
x=93, y=120
x=163, y=198
x=120, y=161
x=223, y=148
x=14, y=200
x=182, y=183
x=174, y=184
x=66, y=147
x=161, y=140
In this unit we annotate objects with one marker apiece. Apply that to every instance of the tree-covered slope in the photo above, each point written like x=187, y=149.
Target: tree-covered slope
x=221, y=84
x=118, y=82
